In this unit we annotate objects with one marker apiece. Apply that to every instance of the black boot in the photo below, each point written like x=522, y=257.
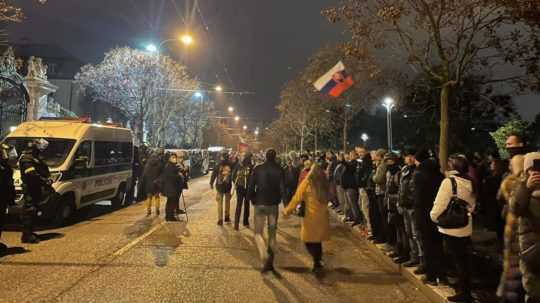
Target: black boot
x=29, y=238
x=461, y=297
x=3, y=249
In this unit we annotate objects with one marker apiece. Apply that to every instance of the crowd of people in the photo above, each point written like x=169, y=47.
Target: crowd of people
x=402, y=202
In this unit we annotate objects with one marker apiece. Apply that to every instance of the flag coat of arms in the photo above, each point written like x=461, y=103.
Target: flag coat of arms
x=335, y=82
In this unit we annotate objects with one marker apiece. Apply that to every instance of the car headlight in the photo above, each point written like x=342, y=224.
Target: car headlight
x=56, y=176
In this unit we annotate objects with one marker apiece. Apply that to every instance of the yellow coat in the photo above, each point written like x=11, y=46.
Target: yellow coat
x=315, y=223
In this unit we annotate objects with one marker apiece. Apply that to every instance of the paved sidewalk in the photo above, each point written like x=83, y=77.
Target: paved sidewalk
x=436, y=294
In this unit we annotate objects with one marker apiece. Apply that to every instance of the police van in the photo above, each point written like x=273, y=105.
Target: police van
x=89, y=163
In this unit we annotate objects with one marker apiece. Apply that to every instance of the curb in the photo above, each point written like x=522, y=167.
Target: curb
x=436, y=294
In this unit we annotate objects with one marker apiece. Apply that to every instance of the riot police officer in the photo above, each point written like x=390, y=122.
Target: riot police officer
x=7, y=189
x=35, y=179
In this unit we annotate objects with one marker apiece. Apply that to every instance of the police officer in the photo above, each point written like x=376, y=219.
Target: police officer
x=7, y=189
x=35, y=178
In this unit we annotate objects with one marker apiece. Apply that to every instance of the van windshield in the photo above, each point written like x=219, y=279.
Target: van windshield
x=55, y=154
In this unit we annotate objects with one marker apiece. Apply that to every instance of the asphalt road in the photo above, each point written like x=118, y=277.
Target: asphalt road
x=125, y=256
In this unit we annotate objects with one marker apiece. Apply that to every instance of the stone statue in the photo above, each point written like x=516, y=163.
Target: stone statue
x=41, y=69
x=32, y=68
x=7, y=62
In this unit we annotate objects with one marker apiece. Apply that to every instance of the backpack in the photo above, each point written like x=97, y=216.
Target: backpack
x=242, y=176
x=224, y=177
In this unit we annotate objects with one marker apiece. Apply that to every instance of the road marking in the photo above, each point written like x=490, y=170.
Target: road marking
x=136, y=241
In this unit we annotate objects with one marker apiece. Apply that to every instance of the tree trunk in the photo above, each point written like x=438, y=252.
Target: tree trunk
x=316, y=140
x=302, y=139
x=443, y=137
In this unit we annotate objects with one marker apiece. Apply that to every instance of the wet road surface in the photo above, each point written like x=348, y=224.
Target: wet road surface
x=125, y=256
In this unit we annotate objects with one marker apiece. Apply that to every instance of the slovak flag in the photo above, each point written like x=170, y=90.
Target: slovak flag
x=335, y=82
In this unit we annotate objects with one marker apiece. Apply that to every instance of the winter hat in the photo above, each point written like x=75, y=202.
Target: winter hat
x=409, y=152
x=422, y=155
x=381, y=152
x=529, y=160
x=391, y=156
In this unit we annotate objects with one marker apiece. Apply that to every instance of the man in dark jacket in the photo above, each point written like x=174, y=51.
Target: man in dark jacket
x=350, y=186
x=266, y=190
x=379, y=180
x=406, y=208
x=7, y=189
x=173, y=184
x=222, y=177
x=364, y=166
x=427, y=178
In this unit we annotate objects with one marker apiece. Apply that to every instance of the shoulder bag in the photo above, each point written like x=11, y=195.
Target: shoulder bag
x=456, y=214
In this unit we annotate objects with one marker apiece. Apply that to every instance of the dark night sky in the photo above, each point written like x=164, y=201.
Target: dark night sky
x=261, y=43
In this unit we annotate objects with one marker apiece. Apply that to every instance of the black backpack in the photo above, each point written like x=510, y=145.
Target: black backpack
x=456, y=214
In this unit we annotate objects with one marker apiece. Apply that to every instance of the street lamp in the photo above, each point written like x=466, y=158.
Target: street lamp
x=186, y=39
x=198, y=94
x=245, y=127
x=230, y=109
x=237, y=118
x=218, y=88
x=389, y=104
x=364, y=137
x=256, y=132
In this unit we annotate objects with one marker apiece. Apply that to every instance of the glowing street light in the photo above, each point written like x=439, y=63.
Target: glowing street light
x=151, y=48
x=237, y=118
x=364, y=137
x=256, y=132
x=218, y=88
x=198, y=94
x=245, y=127
x=186, y=39
x=230, y=109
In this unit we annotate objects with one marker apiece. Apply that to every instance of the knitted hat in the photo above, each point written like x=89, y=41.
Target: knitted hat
x=529, y=160
x=422, y=155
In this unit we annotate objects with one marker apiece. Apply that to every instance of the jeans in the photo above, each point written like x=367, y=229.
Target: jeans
x=460, y=249
x=364, y=203
x=351, y=195
x=266, y=214
x=385, y=228
x=412, y=234
x=341, y=198
x=241, y=202
x=375, y=219
x=219, y=198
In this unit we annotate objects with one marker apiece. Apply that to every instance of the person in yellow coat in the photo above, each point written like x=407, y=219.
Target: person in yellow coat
x=314, y=192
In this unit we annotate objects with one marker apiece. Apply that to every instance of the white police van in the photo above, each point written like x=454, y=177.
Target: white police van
x=89, y=163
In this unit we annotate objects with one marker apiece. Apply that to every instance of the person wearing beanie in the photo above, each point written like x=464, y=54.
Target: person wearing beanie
x=525, y=206
x=427, y=179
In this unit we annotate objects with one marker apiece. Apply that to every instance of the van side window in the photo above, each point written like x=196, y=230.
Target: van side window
x=110, y=153
x=84, y=150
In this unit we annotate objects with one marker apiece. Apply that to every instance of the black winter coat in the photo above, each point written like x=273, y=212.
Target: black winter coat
x=427, y=178
x=292, y=173
x=152, y=172
x=348, y=179
x=172, y=181
x=406, y=188
x=363, y=171
x=267, y=184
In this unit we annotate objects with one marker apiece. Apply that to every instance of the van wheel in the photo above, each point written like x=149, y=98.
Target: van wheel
x=64, y=212
x=120, y=198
